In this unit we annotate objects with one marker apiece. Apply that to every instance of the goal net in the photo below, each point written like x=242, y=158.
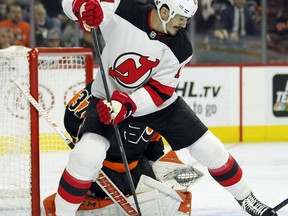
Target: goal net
x=32, y=154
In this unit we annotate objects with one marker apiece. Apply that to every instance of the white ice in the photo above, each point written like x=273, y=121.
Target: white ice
x=264, y=164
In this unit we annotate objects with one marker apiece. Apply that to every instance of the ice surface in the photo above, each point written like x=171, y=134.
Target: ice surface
x=264, y=164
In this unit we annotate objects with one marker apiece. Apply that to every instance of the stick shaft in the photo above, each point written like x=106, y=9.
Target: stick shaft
x=116, y=129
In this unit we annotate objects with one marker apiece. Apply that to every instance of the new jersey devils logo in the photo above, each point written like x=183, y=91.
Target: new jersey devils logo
x=131, y=70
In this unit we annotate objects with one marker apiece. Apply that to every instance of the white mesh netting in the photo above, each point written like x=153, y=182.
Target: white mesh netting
x=60, y=75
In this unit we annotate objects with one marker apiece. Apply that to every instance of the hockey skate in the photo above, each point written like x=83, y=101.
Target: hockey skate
x=255, y=208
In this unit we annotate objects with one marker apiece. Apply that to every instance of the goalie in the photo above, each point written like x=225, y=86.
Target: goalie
x=146, y=159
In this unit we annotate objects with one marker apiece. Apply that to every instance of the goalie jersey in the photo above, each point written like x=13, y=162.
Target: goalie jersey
x=144, y=63
x=149, y=143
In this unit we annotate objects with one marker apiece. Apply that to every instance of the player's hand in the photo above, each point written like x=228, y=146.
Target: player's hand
x=88, y=12
x=120, y=108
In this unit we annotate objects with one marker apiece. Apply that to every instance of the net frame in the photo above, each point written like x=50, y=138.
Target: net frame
x=34, y=55
x=33, y=58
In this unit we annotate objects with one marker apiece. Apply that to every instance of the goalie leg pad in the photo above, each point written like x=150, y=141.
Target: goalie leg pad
x=149, y=202
x=185, y=206
x=49, y=205
x=170, y=199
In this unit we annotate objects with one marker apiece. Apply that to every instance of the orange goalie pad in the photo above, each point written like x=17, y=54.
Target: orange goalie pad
x=90, y=203
x=186, y=206
x=172, y=157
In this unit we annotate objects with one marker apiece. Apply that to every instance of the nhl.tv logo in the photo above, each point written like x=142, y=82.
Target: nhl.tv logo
x=280, y=95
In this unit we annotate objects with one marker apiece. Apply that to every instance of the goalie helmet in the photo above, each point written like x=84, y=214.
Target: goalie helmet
x=186, y=8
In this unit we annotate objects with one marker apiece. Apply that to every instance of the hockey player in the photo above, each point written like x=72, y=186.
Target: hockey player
x=146, y=47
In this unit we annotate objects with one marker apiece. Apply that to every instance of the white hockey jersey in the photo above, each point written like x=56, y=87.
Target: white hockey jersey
x=138, y=60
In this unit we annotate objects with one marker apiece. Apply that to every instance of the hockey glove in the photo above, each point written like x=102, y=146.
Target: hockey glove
x=88, y=12
x=120, y=108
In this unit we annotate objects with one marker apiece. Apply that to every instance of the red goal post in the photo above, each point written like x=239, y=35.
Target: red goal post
x=27, y=141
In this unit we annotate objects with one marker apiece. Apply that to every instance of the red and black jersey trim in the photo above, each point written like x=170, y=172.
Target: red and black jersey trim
x=229, y=174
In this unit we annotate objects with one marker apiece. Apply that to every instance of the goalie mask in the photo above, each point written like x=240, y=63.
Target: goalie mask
x=186, y=8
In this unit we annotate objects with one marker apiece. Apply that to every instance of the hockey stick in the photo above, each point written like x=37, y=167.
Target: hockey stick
x=118, y=137
x=280, y=205
x=41, y=110
x=103, y=180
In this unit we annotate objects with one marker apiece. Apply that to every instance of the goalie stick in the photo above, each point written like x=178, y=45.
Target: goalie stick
x=116, y=129
x=103, y=180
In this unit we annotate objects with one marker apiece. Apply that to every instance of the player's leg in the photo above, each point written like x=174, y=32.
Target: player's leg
x=210, y=152
x=84, y=163
x=183, y=129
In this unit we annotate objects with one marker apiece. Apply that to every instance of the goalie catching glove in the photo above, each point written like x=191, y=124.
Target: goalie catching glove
x=88, y=12
x=114, y=112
